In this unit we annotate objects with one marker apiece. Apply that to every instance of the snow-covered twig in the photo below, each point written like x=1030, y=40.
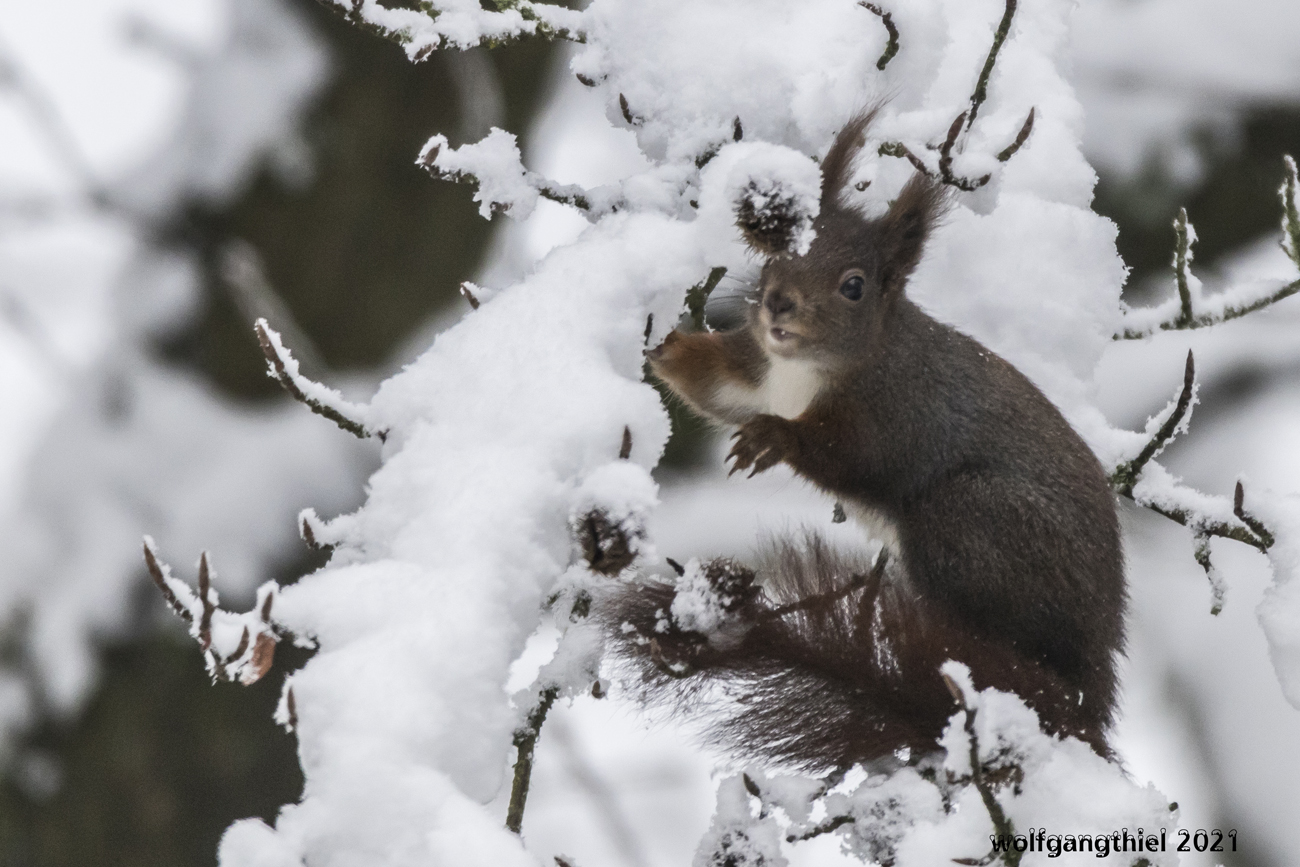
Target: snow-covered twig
x=888, y=20
x=1189, y=309
x=964, y=121
x=1158, y=497
x=283, y=368
x=504, y=185
x=979, y=777
x=1205, y=516
x=1126, y=474
x=216, y=629
x=525, y=741
x=437, y=24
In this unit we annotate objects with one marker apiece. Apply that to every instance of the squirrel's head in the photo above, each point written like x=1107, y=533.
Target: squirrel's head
x=833, y=302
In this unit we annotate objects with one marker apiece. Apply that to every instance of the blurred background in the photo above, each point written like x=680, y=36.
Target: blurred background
x=172, y=169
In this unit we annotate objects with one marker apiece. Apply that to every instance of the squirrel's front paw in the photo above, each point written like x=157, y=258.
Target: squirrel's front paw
x=762, y=442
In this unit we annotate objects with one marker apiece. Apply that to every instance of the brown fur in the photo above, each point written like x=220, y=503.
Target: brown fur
x=1008, y=546
x=832, y=684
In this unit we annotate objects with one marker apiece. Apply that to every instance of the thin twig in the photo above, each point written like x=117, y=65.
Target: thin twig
x=982, y=84
x=205, y=585
x=1256, y=525
x=156, y=573
x=281, y=374
x=1126, y=474
x=888, y=20
x=1021, y=137
x=1001, y=824
x=525, y=741
x=898, y=149
x=945, y=160
x=1181, y=249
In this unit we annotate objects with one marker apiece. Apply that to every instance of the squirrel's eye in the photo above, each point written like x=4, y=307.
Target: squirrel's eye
x=852, y=287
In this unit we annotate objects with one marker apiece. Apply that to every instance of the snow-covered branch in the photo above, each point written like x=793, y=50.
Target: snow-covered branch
x=460, y=23
x=994, y=762
x=1189, y=309
x=320, y=399
x=504, y=185
x=1151, y=486
x=236, y=647
x=964, y=121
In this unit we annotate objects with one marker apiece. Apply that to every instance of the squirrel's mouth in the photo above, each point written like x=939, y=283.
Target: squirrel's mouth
x=780, y=335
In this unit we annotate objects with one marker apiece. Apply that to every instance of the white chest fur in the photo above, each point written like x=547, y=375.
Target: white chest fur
x=791, y=385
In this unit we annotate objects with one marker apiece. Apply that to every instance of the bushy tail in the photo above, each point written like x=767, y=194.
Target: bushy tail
x=823, y=660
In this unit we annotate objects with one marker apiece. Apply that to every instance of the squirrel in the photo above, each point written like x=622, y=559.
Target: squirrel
x=999, y=524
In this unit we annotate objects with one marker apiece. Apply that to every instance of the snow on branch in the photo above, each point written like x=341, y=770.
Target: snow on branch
x=324, y=401
x=460, y=23
x=1190, y=309
x=1151, y=486
x=891, y=48
x=964, y=121
x=236, y=647
x=504, y=185
x=994, y=760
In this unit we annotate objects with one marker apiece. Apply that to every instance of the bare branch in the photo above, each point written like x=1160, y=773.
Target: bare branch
x=1257, y=526
x=625, y=448
x=323, y=401
x=982, y=84
x=945, y=160
x=205, y=596
x=525, y=740
x=1021, y=137
x=888, y=20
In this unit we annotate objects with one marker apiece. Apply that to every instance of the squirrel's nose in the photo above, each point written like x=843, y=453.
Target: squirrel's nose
x=778, y=302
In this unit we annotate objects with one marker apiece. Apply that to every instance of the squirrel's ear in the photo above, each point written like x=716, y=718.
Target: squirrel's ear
x=839, y=159
x=904, y=230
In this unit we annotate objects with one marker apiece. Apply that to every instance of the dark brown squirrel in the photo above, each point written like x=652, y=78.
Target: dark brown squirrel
x=999, y=523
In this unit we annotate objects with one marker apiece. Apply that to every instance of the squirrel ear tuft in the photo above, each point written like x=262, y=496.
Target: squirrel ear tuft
x=839, y=159
x=904, y=230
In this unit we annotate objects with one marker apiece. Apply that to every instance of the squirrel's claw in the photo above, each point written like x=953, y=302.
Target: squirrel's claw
x=761, y=443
